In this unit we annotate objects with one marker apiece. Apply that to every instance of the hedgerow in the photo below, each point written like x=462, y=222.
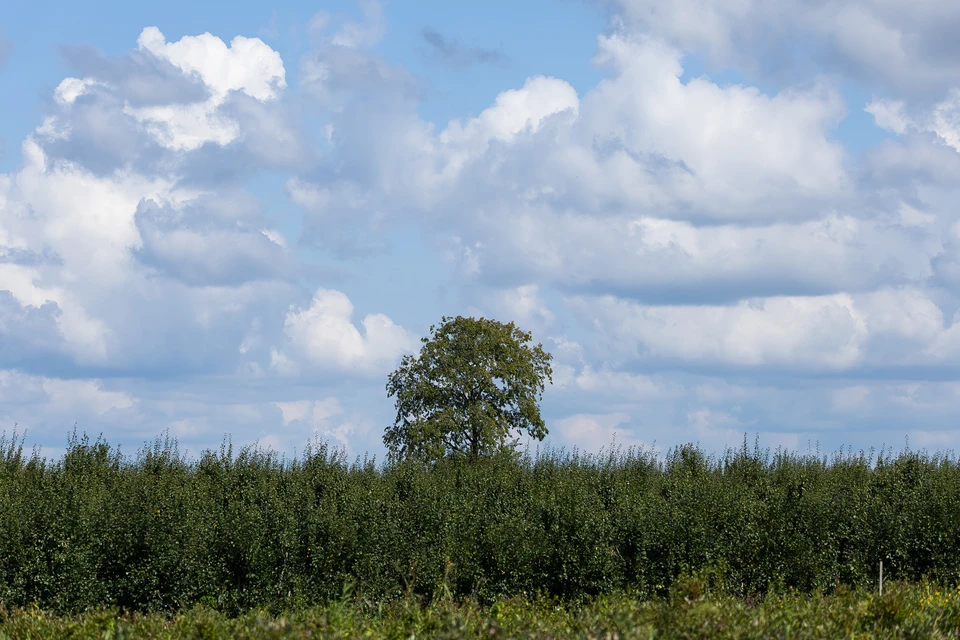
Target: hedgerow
x=241, y=530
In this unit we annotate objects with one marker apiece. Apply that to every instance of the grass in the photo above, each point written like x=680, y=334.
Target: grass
x=904, y=611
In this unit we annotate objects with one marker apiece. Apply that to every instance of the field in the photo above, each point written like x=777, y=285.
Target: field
x=557, y=543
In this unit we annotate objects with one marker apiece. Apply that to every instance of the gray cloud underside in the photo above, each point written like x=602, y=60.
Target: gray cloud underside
x=450, y=52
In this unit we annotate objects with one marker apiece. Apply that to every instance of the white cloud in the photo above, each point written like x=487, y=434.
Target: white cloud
x=72, y=88
x=886, y=328
x=945, y=120
x=727, y=225
x=572, y=372
x=86, y=394
x=39, y=403
x=607, y=382
x=942, y=118
x=312, y=412
x=601, y=191
x=740, y=145
x=120, y=256
x=817, y=332
x=945, y=439
x=522, y=305
x=354, y=34
x=85, y=337
x=908, y=47
x=901, y=314
x=889, y=114
x=591, y=432
x=889, y=328
x=82, y=232
x=87, y=223
x=199, y=243
x=850, y=398
x=626, y=256
x=643, y=139
x=641, y=143
x=320, y=418
x=513, y=112
x=324, y=336
x=714, y=429
x=693, y=24
x=247, y=65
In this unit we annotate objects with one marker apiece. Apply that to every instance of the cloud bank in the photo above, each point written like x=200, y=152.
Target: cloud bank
x=704, y=258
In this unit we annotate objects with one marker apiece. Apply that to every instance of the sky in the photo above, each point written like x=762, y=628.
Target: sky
x=724, y=218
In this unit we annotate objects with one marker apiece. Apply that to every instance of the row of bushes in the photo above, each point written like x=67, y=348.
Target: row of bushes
x=241, y=530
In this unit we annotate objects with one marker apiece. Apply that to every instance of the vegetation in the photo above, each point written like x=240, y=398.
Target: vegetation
x=920, y=611
x=248, y=530
x=474, y=383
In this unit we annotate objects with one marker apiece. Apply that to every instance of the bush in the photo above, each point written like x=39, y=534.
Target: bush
x=243, y=530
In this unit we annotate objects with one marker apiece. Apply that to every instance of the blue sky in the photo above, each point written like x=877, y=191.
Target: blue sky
x=221, y=218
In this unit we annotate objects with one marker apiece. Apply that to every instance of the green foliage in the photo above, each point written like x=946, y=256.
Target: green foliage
x=473, y=384
x=905, y=611
x=241, y=530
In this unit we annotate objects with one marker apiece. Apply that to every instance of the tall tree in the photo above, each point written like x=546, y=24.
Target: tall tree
x=473, y=384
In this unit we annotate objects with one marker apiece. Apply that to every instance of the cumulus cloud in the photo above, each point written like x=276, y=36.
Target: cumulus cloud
x=591, y=432
x=741, y=146
x=884, y=329
x=908, y=48
x=85, y=394
x=108, y=308
x=129, y=412
x=116, y=249
x=30, y=334
x=142, y=77
x=570, y=188
x=941, y=119
x=323, y=337
x=247, y=65
x=352, y=34
x=148, y=109
x=513, y=112
x=323, y=419
x=618, y=384
x=698, y=229
x=576, y=252
x=309, y=411
x=522, y=305
x=851, y=399
x=39, y=402
x=205, y=243
x=331, y=74
x=821, y=332
x=343, y=63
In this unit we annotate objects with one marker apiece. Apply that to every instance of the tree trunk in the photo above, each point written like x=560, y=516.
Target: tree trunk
x=475, y=442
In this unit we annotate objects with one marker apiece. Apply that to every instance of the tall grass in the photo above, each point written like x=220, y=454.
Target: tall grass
x=246, y=529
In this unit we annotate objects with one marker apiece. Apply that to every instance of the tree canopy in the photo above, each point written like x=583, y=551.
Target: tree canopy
x=474, y=384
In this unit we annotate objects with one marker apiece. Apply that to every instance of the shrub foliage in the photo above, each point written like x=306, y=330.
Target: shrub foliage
x=241, y=530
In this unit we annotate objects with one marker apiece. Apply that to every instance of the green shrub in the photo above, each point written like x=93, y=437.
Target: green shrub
x=240, y=530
